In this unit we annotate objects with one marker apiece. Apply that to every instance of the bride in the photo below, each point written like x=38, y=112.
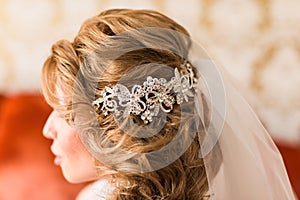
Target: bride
x=142, y=111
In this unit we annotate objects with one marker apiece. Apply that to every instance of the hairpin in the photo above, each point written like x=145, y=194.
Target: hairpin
x=149, y=98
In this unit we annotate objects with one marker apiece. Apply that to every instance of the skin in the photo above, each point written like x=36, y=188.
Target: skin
x=75, y=161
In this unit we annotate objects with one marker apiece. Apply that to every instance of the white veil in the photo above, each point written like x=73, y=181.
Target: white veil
x=251, y=165
x=241, y=160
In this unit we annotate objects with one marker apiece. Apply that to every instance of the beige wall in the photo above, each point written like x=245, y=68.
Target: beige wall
x=258, y=41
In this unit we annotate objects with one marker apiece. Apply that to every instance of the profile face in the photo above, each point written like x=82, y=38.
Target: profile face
x=75, y=161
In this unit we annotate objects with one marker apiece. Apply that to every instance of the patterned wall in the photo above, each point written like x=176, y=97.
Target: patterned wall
x=256, y=40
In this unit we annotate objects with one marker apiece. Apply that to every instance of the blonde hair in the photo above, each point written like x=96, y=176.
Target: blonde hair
x=185, y=178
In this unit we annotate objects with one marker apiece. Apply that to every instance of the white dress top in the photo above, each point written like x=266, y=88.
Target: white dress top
x=98, y=190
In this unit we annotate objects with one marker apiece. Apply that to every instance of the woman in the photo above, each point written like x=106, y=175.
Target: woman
x=142, y=110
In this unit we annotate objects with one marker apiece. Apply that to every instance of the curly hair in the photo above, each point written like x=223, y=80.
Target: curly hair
x=185, y=178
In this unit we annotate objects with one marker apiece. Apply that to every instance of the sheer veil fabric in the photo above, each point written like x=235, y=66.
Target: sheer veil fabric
x=251, y=165
x=241, y=160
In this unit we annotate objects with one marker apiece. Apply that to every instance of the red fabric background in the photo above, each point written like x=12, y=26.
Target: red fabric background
x=26, y=163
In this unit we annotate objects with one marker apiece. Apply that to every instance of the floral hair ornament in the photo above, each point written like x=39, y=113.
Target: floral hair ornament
x=148, y=99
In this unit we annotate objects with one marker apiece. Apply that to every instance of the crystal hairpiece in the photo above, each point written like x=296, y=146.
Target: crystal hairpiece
x=146, y=100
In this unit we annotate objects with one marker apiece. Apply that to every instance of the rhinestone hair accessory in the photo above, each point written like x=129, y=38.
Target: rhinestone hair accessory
x=149, y=98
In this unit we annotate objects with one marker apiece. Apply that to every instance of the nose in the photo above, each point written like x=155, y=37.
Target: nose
x=49, y=130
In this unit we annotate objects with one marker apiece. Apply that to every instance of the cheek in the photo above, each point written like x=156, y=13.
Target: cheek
x=70, y=144
x=77, y=163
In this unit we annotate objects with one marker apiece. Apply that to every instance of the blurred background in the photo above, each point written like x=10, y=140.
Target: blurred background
x=256, y=40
